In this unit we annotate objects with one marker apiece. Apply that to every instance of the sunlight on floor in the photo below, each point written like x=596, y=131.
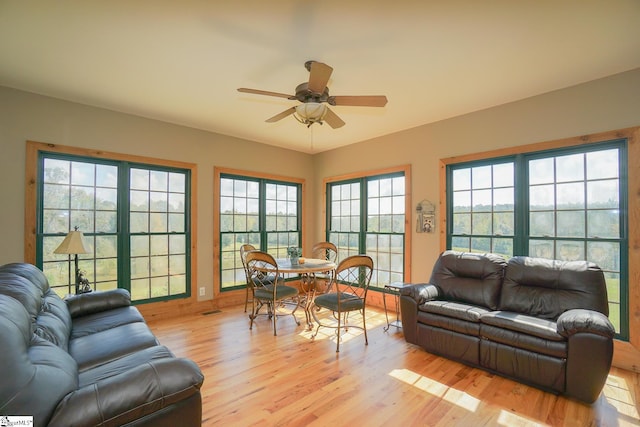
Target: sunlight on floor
x=616, y=390
x=458, y=397
x=451, y=395
x=509, y=419
x=374, y=319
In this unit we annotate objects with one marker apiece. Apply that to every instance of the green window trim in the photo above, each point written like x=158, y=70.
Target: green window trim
x=264, y=212
x=101, y=206
x=364, y=218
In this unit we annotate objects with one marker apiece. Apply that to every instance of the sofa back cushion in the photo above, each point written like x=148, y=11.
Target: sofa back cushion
x=547, y=288
x=50, y=318
x=36, y=374
x=469, y=277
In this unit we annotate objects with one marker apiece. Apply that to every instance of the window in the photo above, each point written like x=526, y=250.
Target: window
x=135, y=218
x=564, y=204
x=367, y=215
x=263, y=212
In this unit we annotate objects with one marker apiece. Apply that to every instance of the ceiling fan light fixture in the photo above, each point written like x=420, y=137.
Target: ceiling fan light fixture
x=310, y=113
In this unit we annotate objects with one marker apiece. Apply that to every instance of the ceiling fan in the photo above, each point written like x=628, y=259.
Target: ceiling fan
x=314, y=95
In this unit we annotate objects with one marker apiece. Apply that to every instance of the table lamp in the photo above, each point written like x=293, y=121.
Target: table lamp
x=73, y=244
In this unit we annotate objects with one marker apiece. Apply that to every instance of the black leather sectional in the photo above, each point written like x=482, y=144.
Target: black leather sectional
x=87, y=360
x=538, y=321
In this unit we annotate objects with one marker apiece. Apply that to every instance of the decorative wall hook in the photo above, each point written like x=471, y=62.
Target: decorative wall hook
x=426, y=217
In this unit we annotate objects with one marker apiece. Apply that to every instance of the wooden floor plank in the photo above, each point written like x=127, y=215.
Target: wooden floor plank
x=253, y=378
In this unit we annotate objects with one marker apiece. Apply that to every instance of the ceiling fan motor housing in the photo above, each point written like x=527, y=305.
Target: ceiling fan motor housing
x=304, y=94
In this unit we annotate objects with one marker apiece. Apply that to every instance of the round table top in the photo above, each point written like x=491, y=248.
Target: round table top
x=310, y=265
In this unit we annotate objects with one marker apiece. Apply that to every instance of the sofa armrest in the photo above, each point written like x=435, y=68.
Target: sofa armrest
x=421, y=292
x=410, y=298
x=132, y=395
x=95, y=302
x=590, y=352
x=579, y=320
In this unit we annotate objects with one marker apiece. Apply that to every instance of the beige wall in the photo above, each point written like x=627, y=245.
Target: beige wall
x=601, y=105
x=597, y=106
x=25, y=116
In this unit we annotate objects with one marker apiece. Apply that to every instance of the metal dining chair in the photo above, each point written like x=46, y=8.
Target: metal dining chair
x=352, y=278
x=268, y=288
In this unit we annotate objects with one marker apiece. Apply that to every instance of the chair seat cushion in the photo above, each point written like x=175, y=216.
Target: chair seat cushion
x=282, y=291
x=348, y=302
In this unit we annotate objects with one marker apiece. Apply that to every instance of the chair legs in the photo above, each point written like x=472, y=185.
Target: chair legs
x=342, y=320
x=271, y=312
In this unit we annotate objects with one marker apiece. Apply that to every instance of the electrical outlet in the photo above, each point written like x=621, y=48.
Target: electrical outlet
x=202, y=291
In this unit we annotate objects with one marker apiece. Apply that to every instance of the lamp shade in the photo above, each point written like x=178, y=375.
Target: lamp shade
x=73, y=243
x=311, y=112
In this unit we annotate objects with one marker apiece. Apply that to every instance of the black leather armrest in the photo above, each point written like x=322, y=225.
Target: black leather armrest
x=579, y=320
x=590, y=352
x=94, y=302
x=421, y=292
x=410, y=298
x=131, y=395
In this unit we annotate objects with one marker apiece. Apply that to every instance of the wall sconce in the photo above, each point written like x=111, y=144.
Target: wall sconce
x=425, y=217
x=73, y=244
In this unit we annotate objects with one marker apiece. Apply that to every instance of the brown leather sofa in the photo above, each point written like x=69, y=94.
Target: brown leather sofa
x=87, y=360
x=538, y=321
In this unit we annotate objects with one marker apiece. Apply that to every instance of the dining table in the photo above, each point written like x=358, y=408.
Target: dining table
x=309, y=269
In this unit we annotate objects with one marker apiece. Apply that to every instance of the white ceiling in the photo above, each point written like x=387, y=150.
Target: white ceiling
x=182, y=61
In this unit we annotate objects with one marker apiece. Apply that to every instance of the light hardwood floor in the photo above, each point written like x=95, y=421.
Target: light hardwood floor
x=255, y=379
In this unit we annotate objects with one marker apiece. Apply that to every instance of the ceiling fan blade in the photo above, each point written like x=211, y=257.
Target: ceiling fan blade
x=333, y=120
x=319, y=76
x=280, y=116
x=359, y=101
x=265, y=92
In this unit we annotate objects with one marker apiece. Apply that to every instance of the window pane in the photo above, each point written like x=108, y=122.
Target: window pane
x=541, y=197
x=570, y=251
x=570, y=224
x=603, y=194
x=570, y=168
x=541, y=171
x=570, y=196
x=461, y=179
x=603, y=164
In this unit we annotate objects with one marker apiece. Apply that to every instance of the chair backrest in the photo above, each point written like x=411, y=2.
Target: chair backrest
x=262, y=269
x=325, y=250
x=243, y=257
x=353, y=275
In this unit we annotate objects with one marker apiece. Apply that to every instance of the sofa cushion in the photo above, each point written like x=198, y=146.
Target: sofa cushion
x=524, y=341
x=469, y=277
x=39, y=373
x=101, y=347
x=123, y=364
x=101, y=321
x=547, y=288
x=25, y=292
x=470, y=313
x=542, y=328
